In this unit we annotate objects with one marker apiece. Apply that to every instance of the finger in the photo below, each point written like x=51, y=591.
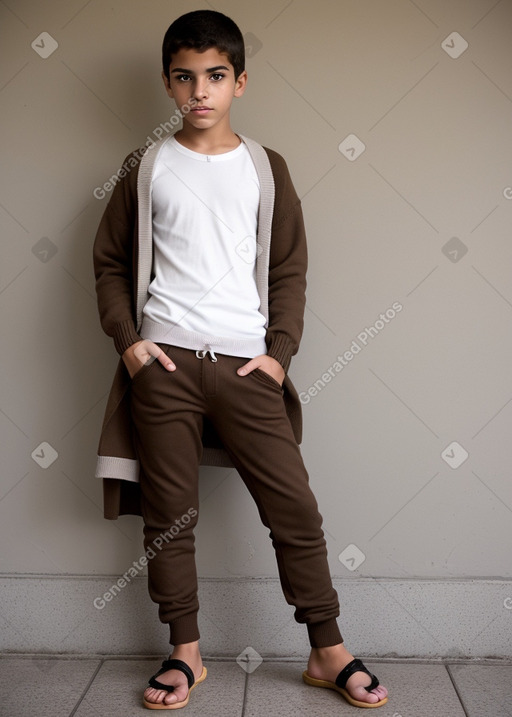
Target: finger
x=152, y=349
x=147, y=352
x=166, y=361
x=155, y=352
x=247, y=367
x=143, y=353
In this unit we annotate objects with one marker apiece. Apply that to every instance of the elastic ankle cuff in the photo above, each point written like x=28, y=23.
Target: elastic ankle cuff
x=184, y=629
x=324, y=634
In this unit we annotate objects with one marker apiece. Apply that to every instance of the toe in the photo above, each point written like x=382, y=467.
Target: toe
x=359, y=693
x=152, y=695
x=177, y=695
x=381, y=691
x=178, y=689
x=356, y=685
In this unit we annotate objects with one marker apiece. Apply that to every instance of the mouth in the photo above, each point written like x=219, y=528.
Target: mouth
x=201, y=109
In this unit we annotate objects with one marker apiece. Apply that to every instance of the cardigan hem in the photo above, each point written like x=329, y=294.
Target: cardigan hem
x=120, y=468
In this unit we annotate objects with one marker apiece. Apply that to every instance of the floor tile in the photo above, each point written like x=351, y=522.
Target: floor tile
x=484, y=690
x=118, y=687
x=43, y=687
x=276, y=689
x=418, y=690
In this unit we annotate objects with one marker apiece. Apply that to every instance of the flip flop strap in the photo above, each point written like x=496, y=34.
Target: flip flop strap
x=172, y=664
x=355, y=666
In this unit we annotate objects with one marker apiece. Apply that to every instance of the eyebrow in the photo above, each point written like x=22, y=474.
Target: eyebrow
x=208, y=69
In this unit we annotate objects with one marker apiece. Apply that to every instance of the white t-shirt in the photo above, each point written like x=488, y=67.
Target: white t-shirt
x=205, y=217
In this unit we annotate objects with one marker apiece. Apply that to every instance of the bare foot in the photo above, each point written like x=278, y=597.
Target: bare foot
x=189, y=653
x=325, y=663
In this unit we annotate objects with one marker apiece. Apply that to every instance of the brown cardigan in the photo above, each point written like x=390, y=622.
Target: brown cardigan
x=122, y=266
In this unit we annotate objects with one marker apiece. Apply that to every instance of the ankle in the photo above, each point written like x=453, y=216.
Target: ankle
x=329, y=650
x=331, y=656
x=186, y=648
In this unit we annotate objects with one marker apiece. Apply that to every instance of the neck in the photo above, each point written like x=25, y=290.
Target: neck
x=215, y=140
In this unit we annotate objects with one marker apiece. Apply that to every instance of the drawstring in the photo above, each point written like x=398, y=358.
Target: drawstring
x=202, y=353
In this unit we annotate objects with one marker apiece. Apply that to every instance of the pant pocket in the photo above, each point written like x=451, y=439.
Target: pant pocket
x=262, y=375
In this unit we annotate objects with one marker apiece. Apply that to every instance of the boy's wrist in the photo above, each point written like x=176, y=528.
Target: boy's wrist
x=280, y=348
x=130, y=360
x=125, y=336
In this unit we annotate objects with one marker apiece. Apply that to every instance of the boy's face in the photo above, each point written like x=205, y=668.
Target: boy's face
x=205, y=81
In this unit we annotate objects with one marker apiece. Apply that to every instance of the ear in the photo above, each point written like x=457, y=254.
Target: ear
x=240, y=84
x=167, y=85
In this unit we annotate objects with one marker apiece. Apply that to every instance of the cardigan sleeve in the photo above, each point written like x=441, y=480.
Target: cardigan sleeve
x=115, y=262
x=287, y=268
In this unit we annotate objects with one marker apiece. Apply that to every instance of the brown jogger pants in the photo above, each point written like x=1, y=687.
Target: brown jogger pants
x=249, y=415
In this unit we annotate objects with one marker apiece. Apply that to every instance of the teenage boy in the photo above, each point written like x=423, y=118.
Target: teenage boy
x=200, y=262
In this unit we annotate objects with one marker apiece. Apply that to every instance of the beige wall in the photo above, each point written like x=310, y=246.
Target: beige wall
x=381, y=226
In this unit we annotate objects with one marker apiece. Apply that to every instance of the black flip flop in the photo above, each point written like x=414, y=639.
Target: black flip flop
x=173, y=664
x=340, y=684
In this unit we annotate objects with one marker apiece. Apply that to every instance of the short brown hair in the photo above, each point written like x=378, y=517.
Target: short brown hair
x=200, y=30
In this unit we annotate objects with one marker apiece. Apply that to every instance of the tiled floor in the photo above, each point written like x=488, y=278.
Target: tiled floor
x=90, y=687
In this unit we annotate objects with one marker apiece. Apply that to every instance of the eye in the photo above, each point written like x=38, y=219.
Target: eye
x=183, y=78
x=216, y=76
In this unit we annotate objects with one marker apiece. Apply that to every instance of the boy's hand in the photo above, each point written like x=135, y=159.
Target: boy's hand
x=265, y=363
x=142, y=352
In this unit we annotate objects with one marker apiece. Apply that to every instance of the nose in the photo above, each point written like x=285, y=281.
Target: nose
x=200, y=90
